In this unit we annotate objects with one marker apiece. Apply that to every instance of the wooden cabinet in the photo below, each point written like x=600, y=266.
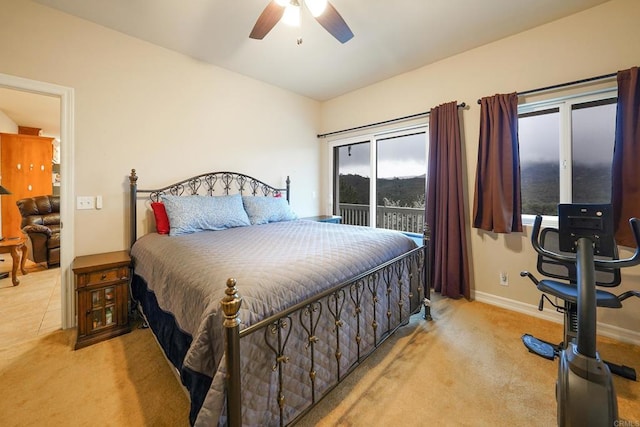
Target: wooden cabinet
x=26, y=169
x=102, y=296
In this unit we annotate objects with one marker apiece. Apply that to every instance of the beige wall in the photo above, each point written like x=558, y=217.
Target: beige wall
x=6, y=124
x=166, y=115
x=598, y=41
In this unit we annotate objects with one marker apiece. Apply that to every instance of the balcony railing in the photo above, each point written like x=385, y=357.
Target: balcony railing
x=410, y=220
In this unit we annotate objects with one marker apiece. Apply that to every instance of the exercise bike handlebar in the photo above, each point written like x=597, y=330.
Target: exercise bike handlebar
x=634, y=223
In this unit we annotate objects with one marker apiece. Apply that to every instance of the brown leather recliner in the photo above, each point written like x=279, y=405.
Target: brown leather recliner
x=41, y=224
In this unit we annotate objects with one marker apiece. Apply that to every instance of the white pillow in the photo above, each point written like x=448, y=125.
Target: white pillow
x=190, y=214
x=262, y=210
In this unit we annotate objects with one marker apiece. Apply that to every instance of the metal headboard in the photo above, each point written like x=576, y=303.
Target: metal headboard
x=206, y=184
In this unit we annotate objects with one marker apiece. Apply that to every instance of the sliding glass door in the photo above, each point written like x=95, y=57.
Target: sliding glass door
x=380, y=181
x=352, y=187
x=400, y=182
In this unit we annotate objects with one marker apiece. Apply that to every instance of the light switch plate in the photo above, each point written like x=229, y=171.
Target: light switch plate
x=85, y=202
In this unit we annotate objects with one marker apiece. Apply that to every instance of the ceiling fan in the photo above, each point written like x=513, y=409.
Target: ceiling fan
x=289, y=12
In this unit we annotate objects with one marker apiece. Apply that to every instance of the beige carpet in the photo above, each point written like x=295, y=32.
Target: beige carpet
x=121, y=382
x=468, y=367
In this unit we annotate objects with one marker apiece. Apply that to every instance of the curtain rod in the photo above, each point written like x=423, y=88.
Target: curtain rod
x=577, y=82
x=425, y=113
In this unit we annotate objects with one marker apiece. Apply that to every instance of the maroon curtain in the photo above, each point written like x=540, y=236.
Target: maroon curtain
x=445, y=204
x=496, y=204
x=625, y=180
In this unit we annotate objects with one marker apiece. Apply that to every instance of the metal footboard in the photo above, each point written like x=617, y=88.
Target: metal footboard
x=393, y=292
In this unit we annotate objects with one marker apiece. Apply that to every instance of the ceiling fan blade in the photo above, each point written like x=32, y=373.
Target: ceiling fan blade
x=267, y=20
x=333, y=22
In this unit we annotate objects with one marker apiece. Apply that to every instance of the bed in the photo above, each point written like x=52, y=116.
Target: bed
x=263, y=315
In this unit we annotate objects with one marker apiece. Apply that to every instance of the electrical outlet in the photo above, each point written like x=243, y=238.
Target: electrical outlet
x=504, y=279
x=85, y=202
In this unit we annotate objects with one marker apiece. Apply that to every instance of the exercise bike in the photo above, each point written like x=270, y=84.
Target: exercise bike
x=585, y=393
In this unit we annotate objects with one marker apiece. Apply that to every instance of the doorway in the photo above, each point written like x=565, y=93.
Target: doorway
x=65, y=96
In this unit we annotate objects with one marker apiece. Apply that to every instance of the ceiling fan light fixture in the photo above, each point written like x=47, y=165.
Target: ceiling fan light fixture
x=288, y=11
x=292, y=15
x=316, y=7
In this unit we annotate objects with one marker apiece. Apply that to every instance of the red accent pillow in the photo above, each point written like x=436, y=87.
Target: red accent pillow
x=162, y=220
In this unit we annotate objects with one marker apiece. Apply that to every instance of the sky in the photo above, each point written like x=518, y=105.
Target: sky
x=592, y=127
x=397, y=157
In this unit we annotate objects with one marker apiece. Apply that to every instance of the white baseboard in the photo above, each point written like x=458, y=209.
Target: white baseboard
x=615, y=332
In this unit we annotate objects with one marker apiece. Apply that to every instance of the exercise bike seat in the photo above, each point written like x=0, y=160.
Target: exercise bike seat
x=569, y=292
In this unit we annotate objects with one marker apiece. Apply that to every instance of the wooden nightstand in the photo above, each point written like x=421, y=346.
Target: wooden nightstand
x=102, y=294
x=335, y=219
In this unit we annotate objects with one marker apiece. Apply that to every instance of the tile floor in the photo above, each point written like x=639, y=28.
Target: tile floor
x=31, y=309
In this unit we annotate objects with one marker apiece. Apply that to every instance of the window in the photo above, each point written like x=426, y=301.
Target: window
x=395, y=199
x=566, y=150
x=539, y=138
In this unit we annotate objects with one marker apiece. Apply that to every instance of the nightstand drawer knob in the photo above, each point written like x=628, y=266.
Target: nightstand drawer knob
x=104, y=276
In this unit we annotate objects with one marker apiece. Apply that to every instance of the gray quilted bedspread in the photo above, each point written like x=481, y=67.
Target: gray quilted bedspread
x=276, y=265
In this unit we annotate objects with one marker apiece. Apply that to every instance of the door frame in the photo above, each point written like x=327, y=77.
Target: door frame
x=67, y=143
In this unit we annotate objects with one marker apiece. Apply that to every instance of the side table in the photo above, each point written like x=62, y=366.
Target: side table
x=18, y=249
x=102, y=296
